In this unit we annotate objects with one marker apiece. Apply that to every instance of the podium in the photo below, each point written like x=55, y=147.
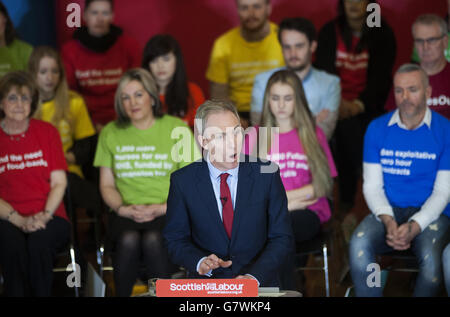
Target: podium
x=213, y=288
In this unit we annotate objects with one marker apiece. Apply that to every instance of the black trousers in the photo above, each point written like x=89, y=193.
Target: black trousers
x=27, y=258
x=349, y=154
x=305, y=226
x=138, y=251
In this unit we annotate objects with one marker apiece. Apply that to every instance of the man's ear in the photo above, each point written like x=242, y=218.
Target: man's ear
x=428, y=92
x=313, y=46
x=202, y=142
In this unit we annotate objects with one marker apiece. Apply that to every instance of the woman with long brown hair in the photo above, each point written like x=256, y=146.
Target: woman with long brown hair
x=289, y=137
x=67, y=112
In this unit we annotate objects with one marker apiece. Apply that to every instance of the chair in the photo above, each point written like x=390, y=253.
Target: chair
x=69, y=250
x=389, y=261
x=394, y=261
x=320, y=245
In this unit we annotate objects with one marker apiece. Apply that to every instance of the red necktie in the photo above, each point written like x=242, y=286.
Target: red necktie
x=227, y=204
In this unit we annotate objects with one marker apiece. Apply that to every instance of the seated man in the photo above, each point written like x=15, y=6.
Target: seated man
x=406, y=186
x=430, y=40
x=227, y=217
x=297, y=37
x=241, y=53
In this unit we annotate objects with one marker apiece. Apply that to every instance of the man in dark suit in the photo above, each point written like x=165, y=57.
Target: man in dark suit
x=227, y=217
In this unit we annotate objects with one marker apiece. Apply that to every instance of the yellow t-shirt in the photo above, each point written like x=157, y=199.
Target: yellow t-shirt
x=236, y=62
x=82, y=124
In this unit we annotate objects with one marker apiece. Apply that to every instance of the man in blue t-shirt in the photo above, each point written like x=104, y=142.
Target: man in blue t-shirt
x=298, y=41
x=406, y=186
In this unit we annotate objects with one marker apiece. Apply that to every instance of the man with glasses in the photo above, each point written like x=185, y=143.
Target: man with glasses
x=226, y=218
x=430, y=41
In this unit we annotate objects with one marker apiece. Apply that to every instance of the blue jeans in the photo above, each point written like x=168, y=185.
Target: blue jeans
x=446, y=265
x=369, y=240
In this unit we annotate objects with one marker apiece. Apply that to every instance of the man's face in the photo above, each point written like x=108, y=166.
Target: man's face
x=411, y=94
x=223, y=140
x=253, y=14
x=429, y=42
x=98, y=17
x=297, y=50
x=355, y=9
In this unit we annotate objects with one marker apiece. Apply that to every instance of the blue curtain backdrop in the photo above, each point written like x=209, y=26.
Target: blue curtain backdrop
x=34, y=20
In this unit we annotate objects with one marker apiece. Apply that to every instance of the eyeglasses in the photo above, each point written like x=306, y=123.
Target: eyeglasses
x=14, y=99
x=429, y=41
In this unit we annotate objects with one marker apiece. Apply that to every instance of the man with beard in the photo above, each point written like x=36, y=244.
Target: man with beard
x=431, y=41
x=297, y=37
x=241, y=53
x=406, y=185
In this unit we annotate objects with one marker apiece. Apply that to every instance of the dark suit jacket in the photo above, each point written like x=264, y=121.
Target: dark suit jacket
x=262, y=233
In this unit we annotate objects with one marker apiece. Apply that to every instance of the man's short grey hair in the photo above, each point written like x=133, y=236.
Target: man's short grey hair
x=409, y=68
x=429, y=19
x=209, y=107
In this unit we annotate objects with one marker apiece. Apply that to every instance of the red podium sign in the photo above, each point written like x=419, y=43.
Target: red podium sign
x=207, y=288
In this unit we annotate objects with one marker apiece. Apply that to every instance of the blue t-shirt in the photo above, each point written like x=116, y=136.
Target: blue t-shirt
x=410, y=159
x=322, y=90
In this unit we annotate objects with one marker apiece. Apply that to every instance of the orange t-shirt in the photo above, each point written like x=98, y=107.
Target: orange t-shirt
x=197, y=98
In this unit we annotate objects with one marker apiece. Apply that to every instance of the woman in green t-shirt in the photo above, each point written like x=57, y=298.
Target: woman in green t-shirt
x=136, y=155
x=14, y=53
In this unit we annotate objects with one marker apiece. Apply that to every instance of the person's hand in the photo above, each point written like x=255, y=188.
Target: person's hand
x=405, y=234
x=399, y=237
x=19, y=221
x=41, y=219
x=245, y=277
x=70, y=158
x=322, y=116
x=212, y=262
x=349, y=109
x=32, y=224
x=146, y=213
x=391, y=230
x=127, y=211
x=299, y=204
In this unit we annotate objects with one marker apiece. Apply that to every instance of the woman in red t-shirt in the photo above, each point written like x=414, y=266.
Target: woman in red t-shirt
x=179, y=97
x=33, y=221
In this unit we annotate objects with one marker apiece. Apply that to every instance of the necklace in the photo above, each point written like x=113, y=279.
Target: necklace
x=14, y=137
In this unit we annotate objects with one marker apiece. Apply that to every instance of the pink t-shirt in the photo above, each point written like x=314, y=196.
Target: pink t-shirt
x=293, y=163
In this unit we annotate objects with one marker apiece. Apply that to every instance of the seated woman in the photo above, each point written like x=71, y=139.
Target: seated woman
x=179, y=97
x=136, y=155
x=33, y=221
x=67, y=111
x=300, y=149
x=14, y=53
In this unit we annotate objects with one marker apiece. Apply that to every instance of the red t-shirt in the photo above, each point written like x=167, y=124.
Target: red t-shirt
x=196, y=100
x=25, y=167
x=96, y=75
x=352, y=68
x=440, y=95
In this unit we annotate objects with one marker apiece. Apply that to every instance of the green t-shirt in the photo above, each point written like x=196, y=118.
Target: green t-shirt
x=142, y=160
x=14, y=56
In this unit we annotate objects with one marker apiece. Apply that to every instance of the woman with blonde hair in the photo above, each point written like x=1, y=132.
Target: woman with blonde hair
x=67, y=112
x=137, y=154
x=289, y=137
